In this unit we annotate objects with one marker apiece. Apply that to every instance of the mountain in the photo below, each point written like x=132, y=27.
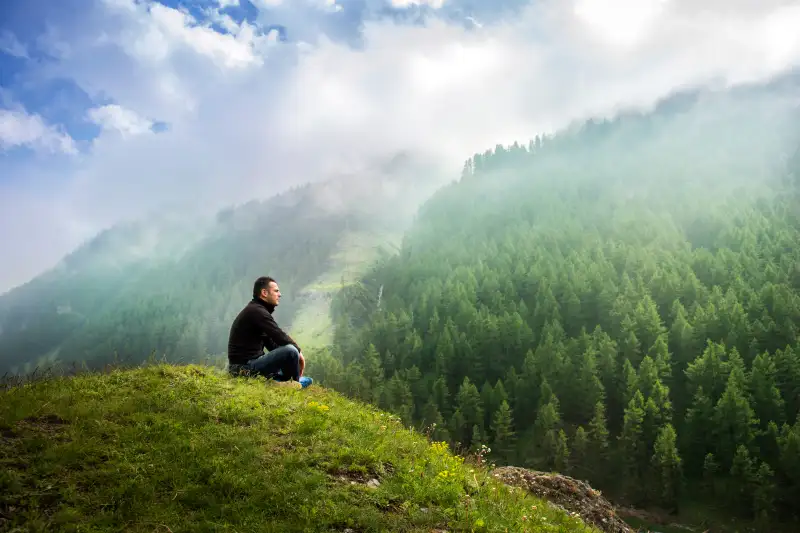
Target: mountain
x=171, y=285
x=619, y=301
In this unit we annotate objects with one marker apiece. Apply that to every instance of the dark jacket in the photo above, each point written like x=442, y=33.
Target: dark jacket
x=253, y=330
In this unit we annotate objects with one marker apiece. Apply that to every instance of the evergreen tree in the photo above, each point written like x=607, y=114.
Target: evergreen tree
x=667, y=466
x=579, y=458
x=502, y=433
x=561, y=452
x=734, y=422
x=632, y=448
x=599, y=445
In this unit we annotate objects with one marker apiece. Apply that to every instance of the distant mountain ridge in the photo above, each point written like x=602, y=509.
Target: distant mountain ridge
x=172, y=284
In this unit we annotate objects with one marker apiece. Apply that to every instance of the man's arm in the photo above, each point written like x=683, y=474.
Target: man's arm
x=271, y=329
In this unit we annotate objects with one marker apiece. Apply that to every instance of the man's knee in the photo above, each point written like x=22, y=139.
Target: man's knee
x=292, y=352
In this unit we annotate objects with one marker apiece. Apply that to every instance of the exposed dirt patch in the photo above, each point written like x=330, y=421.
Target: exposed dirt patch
x=575, y=497
x=51, y=425
x=373, y=474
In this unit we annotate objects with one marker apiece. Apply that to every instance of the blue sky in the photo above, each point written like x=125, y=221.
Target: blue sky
x=117, y=109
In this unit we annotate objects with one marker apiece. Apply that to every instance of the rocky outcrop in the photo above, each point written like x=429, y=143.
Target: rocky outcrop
x=575, y=497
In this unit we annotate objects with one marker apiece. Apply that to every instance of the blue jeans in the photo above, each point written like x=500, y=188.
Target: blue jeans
x=280, y=364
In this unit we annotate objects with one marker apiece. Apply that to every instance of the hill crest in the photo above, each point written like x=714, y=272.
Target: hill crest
x=182, y=448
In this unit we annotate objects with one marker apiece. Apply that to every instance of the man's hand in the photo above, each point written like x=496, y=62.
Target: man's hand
x=302, y=364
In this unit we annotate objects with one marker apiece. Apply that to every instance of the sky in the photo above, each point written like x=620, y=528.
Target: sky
x=113, y=110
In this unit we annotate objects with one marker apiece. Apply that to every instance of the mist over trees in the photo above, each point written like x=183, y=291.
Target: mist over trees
x=619, y=302
x=175, y=303
x=169, y=287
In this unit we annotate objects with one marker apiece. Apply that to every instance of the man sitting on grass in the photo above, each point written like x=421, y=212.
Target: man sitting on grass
x=254, y=329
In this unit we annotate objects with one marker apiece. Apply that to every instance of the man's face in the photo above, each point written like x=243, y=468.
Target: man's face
x=271, y=294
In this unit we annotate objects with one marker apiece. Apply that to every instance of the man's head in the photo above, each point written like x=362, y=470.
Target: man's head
x=266, y=289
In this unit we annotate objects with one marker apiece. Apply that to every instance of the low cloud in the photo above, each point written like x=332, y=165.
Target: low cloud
x=407, y=3
x=20, y=129
x=9, y=44
x=117, y=118
x=249, y=115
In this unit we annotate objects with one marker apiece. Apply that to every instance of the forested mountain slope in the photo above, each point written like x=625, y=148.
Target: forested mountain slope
x=620, y=302
x=171, y=286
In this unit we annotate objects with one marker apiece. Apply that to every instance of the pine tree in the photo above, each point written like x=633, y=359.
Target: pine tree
x=763, y=495
x=789, y=444
x=668, y=470
x=503, y=433
x=441, y=395
x=662, y=359
x=477, y=439
x=561, y=453
x=710, y=470
x=545, y=435
x=632, y=448
x=741, y=481
x=398, y=399
x=766, y=397
x=599, y=445
x=579, y=460
x=734, y=422
x=372, y=374
x=698, y=439
x=468, y=403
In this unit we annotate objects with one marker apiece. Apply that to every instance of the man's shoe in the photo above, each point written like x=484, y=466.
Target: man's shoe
x=305, y=381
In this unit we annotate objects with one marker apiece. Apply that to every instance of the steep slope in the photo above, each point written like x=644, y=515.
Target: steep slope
x=191, y=449
x=355, y=253
x=170, y=286
x=620, y=302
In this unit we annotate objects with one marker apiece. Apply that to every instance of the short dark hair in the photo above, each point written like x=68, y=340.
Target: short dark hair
x=261, y=283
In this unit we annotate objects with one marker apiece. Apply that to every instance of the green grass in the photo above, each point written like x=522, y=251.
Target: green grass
x=187, y=448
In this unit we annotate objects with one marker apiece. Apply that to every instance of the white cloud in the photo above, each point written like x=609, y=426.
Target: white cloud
x=248, y=118
x=265, y=4
x=329, y=5
x=158, y=31
x=436, y=4
x=11, y=45
x=18, y=128
x=116, y=117
x=619, y=22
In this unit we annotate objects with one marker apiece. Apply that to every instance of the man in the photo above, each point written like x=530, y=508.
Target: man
x=254, y=329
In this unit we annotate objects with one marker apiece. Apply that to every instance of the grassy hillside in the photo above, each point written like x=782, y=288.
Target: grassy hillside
x=167, y=448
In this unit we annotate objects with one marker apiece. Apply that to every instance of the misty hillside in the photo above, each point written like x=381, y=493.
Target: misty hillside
x=620, y=302
x=171, y=286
